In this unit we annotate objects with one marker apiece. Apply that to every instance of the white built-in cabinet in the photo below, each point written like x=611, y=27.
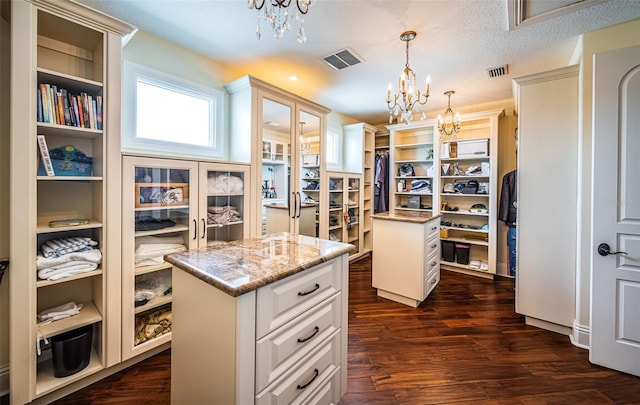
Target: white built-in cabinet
x=263, y=120
x=547, y=197
x=168, y=206
x=426, y=179
x=361, y=137
x=345, y=202
x=77, y=50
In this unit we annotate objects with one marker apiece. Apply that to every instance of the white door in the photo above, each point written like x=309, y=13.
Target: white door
x=615, y=278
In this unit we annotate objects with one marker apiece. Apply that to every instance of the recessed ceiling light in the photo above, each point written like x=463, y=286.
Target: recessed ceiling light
x=293, y=78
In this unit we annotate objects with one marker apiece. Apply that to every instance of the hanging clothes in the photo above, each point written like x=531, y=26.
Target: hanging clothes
x=508, y=213
x=381, y=180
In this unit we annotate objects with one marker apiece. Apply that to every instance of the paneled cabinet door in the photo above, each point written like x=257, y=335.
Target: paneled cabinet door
x=160, y=200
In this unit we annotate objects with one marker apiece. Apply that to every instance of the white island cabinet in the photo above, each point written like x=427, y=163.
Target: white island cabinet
x=261, y=321
x=406, y=263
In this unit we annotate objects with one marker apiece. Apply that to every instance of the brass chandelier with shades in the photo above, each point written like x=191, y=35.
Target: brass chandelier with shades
x=409, y=96
x=280, y=14
x=449, y=123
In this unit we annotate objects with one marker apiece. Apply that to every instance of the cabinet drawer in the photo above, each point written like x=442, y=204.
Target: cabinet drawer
x=431, y=281
x=433, y=228
x=432, y=244
x=432, y=263
x=301, y=382
x=328, y=393
x=279, y=302
x=283, y=348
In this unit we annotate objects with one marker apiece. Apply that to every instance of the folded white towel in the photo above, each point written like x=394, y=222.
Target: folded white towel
x=150, y=254
x=93, y=256
x=66, y=270
x=59, y=312
x=152, y=240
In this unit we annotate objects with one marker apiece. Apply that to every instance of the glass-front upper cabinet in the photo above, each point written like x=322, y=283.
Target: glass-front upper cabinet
x=160, y=197
x=223, y=205
x=309, y=172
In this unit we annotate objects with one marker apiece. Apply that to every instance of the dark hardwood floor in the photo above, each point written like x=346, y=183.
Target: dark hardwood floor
x=463, y=345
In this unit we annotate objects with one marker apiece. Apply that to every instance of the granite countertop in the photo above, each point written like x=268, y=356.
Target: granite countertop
x=408, y=217
x=238, y=267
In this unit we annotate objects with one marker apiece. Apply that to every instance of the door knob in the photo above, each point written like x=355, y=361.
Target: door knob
x=604, y=250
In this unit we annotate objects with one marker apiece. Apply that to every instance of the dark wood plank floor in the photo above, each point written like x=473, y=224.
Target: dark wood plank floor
x=463, y=345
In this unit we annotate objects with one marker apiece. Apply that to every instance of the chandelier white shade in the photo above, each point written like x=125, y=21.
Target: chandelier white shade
x=402, y=104
x=280, y=14
x=449, y=123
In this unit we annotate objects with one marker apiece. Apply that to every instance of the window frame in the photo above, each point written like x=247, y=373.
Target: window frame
x=132, y=74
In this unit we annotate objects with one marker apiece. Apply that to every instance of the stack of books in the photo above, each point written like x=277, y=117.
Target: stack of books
x=61, y=107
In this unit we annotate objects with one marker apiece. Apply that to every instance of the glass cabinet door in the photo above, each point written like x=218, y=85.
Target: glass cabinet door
x=223, y=207
x=159, y=218
x=308, y=169
x=275, y=188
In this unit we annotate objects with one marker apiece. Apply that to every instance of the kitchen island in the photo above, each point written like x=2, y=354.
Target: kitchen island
x=406, y=256
x=260, y=320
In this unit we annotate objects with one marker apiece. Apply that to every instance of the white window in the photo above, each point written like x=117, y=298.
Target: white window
x=169, y=115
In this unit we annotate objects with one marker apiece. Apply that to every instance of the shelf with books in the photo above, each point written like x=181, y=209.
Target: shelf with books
x=66, y=100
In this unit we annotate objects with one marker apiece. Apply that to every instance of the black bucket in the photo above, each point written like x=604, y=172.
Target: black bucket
x=71, y=351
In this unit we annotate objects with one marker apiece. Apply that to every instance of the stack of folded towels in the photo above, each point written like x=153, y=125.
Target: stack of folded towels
x=150, y=250
x=59, y=258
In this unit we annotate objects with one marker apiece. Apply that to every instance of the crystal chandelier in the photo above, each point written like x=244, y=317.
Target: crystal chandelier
x=449, y=125
x=408, y=94
x=280, y=16
x=304, y=146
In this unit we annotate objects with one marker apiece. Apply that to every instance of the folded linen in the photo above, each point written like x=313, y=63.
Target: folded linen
x=224, y=183
x=66, y=269
x=59, y=312
x=93, y=256
x=150, y=254
x=58, y=247
x=151, y=240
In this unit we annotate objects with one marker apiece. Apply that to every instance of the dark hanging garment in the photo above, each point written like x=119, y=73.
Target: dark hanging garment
x=381, y=200
x=508, y=213
x=508, y=210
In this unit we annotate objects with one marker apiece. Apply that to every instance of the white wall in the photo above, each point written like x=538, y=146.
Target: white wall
x=614, y=37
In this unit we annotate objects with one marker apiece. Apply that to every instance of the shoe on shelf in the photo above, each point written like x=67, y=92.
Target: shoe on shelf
x=333, y=238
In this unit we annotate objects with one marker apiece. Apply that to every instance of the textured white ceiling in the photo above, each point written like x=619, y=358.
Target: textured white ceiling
x=457, y=40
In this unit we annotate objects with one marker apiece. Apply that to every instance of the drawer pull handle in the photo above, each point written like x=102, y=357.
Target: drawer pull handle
x=434, y=281
x=434, y=246
x=315, y=332
x=302, y=294
x=315, y=375
x=434, y=228
x=433, y=263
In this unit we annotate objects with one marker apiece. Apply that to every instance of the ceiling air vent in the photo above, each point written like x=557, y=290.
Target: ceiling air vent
x=498, y=71
x=342, y=59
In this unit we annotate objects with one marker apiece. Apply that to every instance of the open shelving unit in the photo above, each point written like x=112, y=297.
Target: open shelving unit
x=76, y=52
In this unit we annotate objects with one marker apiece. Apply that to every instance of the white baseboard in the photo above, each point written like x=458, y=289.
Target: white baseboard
x=581, y=336
x=4, y=380
x=550, y=326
